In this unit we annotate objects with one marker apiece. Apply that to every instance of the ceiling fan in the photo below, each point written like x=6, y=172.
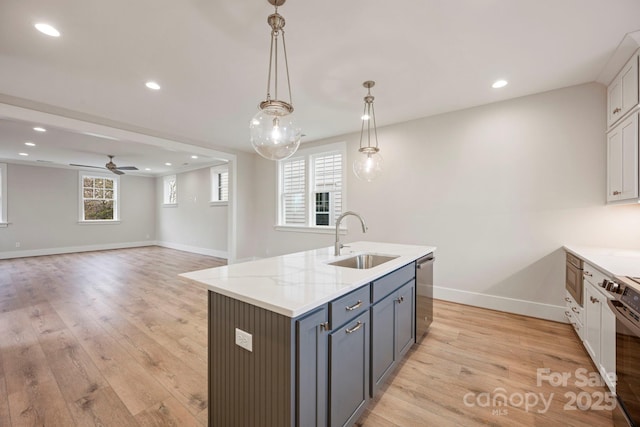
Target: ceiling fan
x=110, y=166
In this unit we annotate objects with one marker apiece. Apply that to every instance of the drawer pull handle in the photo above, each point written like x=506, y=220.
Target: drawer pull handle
x=567, y=299
x=617, y=110
x=324, y=326
x=354, y=306
x=400, y=300
x=355, y=328
x=575, y=310
x=586, y=273
x=594, y=300
x=616, y=193
x=568, y=314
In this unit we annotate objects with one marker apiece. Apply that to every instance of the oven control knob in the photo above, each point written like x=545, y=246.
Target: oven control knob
x=615, y=288
x=605, y=284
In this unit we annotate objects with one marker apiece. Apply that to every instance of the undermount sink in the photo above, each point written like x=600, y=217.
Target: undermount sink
x=363, y=261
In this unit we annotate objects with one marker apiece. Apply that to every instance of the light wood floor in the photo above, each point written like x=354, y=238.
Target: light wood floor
x=115, y=338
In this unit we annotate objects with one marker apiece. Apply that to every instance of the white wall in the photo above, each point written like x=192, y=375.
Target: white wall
x=43, y=213
x=193, y=224
x=497, y=188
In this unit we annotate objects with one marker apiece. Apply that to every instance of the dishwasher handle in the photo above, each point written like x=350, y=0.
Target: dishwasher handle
x=427, y=259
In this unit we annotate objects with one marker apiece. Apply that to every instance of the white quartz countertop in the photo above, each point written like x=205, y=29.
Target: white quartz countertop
x=296, y=283
x=614, y=262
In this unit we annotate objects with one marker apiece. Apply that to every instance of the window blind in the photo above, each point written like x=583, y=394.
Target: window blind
x=328, y=179
x=293, y=192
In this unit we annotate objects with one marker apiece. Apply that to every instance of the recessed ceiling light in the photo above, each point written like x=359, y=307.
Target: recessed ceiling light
x=167, y=164
x=152, y=85
x=47, y=29
x=29, y=144
x=39, y=129
x=23, y=154
x=499, y=83
x=194, y=157
x=147, y=169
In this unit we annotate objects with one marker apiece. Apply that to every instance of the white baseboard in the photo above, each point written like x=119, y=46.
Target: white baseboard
x=509, y=305
x=72, y=249
x=194, y=249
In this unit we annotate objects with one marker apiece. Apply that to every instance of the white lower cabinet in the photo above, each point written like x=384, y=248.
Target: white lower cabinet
x=575, y=315
x=600, y=332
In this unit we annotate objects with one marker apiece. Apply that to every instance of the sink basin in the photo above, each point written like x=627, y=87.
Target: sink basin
x=363, y=261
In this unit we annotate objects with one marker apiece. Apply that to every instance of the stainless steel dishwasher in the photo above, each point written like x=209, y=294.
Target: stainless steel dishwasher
x=424, y=295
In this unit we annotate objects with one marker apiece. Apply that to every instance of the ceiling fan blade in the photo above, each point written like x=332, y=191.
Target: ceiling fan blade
x=117, y=172
x=86, y=166
x=128, y=168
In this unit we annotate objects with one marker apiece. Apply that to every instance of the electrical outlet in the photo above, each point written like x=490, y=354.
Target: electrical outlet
x=244, y=339
x=17, y=244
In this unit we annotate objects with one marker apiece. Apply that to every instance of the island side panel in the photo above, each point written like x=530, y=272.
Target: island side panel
x=249, y=388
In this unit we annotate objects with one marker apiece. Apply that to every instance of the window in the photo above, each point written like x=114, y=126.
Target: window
x=219, y=184
x=98, y=197
x=169, y=190
x=311, y=187
x=3, y=194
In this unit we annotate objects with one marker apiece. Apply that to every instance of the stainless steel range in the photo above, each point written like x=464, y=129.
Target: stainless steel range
x=626, y=307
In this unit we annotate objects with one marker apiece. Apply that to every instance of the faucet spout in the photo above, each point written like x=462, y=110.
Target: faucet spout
x=339, y=245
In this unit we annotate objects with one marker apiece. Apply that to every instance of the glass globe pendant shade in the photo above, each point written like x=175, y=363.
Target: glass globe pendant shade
x=274, y=136
x=368, y=165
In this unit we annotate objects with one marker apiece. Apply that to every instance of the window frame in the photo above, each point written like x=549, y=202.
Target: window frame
x=165, y=180
x=116, y=199
x=215, y=174
x=4, y=219
x=309, y=155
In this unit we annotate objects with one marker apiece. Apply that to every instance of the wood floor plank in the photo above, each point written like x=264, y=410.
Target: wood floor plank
x=169, y=413
x=137, y=389
x=33, y=396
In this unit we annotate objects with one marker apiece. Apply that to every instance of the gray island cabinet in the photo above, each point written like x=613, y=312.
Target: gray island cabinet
x=296, y=340
x=318, y=369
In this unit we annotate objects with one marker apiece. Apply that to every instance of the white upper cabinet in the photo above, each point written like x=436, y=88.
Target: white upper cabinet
x=622, y=93
x=622, y=161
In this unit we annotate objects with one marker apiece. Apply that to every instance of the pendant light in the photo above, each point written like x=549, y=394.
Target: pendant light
x=274, y=134
x=368, y=164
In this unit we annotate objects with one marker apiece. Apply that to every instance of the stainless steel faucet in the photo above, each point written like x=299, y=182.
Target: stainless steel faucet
x=339, y=245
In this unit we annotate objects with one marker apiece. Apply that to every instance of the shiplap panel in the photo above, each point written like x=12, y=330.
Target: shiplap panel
x=255, y=388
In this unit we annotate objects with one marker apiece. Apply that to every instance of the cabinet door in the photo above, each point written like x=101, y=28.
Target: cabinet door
x=629, y=83
x=614, y=101
x=622, y=93
x=382, y=340
x=312, y=369
x=405, y=331
x=608, y=345
x=592, y=322
x=622, y=160
x=349, y=371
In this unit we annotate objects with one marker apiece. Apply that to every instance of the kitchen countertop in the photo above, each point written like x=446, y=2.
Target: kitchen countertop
x=614, y=262
x=296, y=283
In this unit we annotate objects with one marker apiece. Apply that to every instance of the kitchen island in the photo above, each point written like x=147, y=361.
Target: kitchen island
x=291, y=338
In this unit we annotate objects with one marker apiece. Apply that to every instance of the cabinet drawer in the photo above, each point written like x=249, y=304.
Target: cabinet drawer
x=573, y=308
x=347, y=307
x=592, y=275
x=392, y=281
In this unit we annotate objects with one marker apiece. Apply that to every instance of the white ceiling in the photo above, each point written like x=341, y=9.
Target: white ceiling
x=210, y=57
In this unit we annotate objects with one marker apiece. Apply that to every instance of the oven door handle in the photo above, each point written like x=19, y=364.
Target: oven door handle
x=613, y=305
